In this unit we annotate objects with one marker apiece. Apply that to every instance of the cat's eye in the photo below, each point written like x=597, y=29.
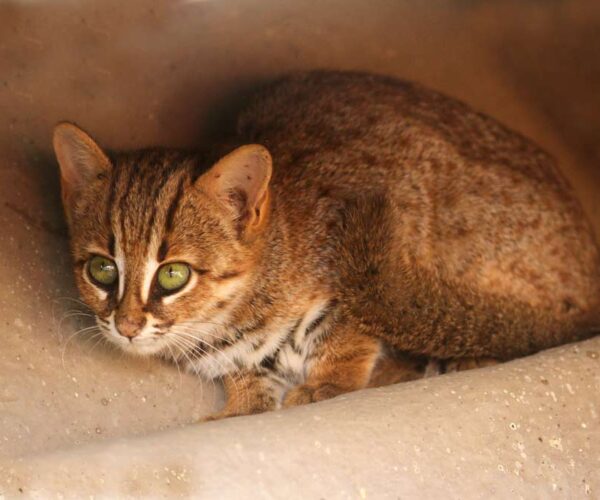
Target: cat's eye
x=102, y=270
x=173, y=276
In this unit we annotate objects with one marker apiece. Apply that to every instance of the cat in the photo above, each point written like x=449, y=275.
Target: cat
x=362, y=227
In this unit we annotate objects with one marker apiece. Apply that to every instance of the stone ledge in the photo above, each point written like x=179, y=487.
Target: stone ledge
x=528, y=428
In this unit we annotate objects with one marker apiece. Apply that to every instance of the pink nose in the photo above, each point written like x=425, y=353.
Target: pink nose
x=129, y=327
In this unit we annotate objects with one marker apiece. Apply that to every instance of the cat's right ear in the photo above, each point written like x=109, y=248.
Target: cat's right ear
x=81, y=160
x=240, y=182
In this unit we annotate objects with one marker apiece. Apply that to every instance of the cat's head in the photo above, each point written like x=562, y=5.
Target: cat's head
x=161, y=253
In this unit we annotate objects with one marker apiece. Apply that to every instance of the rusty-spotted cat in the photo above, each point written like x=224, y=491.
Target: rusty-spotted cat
x=364, y=226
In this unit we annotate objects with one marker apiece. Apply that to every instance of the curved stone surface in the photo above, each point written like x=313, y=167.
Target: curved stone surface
x=526, y=429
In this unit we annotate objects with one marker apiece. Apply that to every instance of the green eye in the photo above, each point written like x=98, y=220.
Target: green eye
x=173, y=276
x=102, y=270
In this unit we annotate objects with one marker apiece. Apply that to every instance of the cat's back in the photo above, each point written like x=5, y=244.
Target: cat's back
x=355, y=127
x=472, y=199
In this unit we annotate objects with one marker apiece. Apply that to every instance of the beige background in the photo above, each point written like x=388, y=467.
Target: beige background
x=141, y=73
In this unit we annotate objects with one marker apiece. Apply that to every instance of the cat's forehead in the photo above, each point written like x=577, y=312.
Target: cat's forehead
x=142, y=194
x=140, y=204
x=147, y=178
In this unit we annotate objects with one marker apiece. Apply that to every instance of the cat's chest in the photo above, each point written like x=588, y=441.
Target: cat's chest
x=284, y=349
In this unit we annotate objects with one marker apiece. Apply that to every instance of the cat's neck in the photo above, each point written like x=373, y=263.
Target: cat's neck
x=286, y=277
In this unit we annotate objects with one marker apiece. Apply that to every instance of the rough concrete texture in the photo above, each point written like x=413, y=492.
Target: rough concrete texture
x=172, y=73
x=527, y=429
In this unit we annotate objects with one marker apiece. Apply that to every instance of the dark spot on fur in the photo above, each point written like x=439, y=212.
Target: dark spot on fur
x=162, y=251
x=291, y=337
x=259, y=343
x=256, y=325
x=228, y=275
x=173, y=206
x=165, y=325
x=315, y=323
x=111, y=244
x=324, y=192
x=263, y=298
x=372, y=270
x=268, y=363
x=238, y=199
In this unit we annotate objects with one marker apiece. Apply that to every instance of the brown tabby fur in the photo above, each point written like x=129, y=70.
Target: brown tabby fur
x=397, y=226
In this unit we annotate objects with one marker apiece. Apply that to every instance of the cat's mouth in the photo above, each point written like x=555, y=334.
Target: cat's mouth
x=145, y=346
x=146, y=343
x=177, y=341
x=140, y=346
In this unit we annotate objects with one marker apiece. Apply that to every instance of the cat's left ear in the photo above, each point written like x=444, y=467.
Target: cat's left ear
x=240, y=182
x=81, y=160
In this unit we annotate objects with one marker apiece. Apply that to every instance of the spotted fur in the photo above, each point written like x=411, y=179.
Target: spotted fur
x=383, y=226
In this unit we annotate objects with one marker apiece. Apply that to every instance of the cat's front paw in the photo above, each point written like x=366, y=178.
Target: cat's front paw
x=305, y=394
x=238, y=411
x=231, y=413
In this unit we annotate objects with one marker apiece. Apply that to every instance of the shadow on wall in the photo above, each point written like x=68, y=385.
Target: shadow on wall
x=556, y=66
x=48, y=193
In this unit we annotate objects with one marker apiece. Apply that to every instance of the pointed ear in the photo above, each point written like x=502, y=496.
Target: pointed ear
x=81, y=160
x=240, y=181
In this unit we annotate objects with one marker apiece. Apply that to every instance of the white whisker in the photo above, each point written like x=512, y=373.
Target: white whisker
x=182, y=350
x=78, y=332
x=192, y=343
x=78, y=302
x=205, y=332
x=73, y=299
x=176, y=363
x=183, y=347
x=101, y=338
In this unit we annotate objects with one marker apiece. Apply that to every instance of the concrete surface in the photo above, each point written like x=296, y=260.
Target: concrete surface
x=527, y=429
x=173, y=73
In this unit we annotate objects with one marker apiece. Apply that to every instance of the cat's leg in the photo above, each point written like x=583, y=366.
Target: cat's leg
x=250, y=392
x=394, y=367
x=343, y=362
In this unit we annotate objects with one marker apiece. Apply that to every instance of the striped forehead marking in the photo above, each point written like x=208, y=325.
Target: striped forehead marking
x=145, y=198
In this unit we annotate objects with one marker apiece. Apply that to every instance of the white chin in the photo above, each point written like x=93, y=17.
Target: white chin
x=143, y=347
